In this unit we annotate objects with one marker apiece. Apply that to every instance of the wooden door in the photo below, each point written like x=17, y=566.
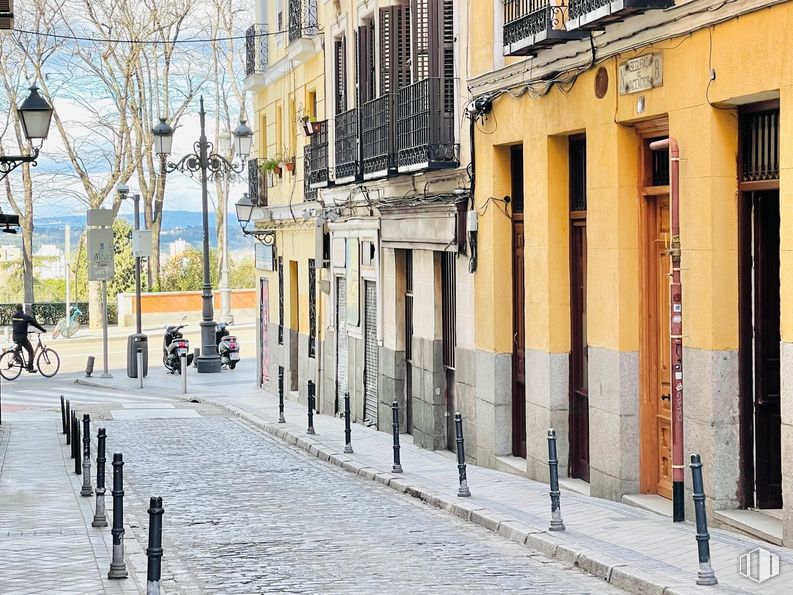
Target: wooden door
x=579, y=393
x=767, y=421
x=656, y=410
x=518, y=337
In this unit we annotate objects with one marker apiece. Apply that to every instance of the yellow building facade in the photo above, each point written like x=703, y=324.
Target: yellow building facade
x=574, y=234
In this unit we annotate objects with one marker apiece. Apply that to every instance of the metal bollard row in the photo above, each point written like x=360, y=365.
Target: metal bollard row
x=347, y=428
x=86, y=490
x=553, y=466
x=705, y=574
x=281, y=418
x=118, y=567
x=311, y=398
x=463, y=490
x=397, y=466
x=100, y=517
x=154, y=551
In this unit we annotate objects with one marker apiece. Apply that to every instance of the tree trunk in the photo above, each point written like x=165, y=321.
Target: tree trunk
x=26, y=223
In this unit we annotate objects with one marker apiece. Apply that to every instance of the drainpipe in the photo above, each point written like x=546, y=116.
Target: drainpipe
x=675, y=328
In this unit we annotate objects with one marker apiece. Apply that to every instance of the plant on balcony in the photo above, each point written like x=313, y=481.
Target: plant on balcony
x=271, y=165
x=289, y=164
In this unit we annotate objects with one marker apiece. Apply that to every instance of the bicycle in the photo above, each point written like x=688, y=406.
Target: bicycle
x=68, y=328
x=12, y=361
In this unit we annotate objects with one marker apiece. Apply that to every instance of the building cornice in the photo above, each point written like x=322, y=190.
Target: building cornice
x=621, y=37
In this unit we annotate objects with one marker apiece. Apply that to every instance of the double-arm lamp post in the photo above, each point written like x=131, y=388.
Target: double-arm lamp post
x=209, y=164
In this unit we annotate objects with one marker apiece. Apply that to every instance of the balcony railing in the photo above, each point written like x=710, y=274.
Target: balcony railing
x=378, y=136
x=257, y=186
x=256, y=57
x=302, y=19
x=593, y=14
x=530, y=24
x=348, y=159
x=318, y=156
x=425, y=126
x=309, y=193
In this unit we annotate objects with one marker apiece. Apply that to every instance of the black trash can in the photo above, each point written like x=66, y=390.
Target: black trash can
x=135, y=342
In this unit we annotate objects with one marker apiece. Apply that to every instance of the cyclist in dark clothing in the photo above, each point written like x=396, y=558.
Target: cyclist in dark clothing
x=20, y=322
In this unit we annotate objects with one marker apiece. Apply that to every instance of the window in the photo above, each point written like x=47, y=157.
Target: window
x=279, y=130
x=365, y=74
x=292, y=127
x=394, y=48
x=311, y=105
x=312, y=308
x=449, y=306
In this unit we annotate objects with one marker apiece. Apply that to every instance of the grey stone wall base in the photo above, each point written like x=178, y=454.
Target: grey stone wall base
x=428, y=385
x=626, y=577
x=786, y=368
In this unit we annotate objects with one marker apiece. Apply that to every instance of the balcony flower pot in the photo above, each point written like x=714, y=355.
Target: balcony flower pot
x=271, y=165
x=290, y=165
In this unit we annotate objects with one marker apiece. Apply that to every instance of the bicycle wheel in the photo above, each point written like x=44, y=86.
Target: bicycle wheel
x=10, y=366
x=48, y=362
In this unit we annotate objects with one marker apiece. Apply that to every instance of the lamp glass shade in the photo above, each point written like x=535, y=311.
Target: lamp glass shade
x=243, y=140
x=35, y=113
x=244, y=208
x=163, y=138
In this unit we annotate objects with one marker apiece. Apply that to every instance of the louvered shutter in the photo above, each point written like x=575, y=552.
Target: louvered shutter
x=365, y=64
x=394, y=48
x=340, y=74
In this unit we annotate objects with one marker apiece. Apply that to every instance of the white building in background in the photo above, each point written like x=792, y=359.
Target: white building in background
x=10, y=253
x=176, y=248
x=49, y=262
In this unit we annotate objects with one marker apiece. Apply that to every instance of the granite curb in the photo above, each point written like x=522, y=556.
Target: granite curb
x=553, y=546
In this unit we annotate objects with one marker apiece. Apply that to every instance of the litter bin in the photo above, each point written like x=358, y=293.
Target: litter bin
x=135, y=342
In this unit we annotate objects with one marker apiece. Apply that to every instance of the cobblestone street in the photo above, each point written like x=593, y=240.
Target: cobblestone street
x=247, y=514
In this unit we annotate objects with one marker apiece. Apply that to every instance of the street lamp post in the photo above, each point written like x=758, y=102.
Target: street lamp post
x=208, y=163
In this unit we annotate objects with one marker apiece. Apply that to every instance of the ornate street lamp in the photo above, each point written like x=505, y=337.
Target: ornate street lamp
x=35, y=115
x=209, y=164
x=245, y=208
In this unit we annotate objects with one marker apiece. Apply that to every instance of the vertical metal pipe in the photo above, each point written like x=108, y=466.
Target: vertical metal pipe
x=310, y=408
x=118, y=567
x=553, y=467
x=675, y=327
x=154, y=551
x=397, y=466
x=463, y=490
x=87, y=490
x=705, y=575
x=100, y=518
x=63, y=417
x=138, y=325
x=105, y=372
x=183, y=364
x=281, y=418
x=72, y=431
x=347, y=428
x=140, y=366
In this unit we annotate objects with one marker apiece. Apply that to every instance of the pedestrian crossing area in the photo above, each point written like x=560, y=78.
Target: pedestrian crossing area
x=49, y=397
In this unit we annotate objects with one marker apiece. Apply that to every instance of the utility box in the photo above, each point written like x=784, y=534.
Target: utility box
x=135, y=342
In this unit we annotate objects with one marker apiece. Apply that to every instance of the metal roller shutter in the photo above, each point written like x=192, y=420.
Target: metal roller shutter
x=371, y=372
x=341, y=343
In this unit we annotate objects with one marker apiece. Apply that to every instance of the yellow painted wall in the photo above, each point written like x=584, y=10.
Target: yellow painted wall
x=708, y=141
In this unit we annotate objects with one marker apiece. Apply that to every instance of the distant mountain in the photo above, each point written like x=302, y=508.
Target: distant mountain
x=184, y=225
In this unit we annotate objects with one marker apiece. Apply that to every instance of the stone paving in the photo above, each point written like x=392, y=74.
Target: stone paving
x=245, y=513
x=47, y=544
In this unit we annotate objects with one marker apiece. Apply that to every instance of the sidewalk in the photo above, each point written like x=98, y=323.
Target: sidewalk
x=630, y=548
x=47, y=544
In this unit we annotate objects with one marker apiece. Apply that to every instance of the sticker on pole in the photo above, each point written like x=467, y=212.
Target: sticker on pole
x=100, y=252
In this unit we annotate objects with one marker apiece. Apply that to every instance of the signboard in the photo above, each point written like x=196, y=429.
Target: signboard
x=641, y=74
x=141, y=243
x=353, y=289
x=100, y=254
x=100, y=218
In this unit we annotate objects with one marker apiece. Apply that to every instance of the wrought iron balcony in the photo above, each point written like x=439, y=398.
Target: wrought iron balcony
x=309, y=193
x=318, y=156
x=378, y=136
x=348, y=159
x=425, y=126
x=257, y=185
x=256, y=57
x=302, y=19
x=532, y=24
x=593, y=14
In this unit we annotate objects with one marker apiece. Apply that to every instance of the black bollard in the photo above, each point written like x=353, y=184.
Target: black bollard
x=154, y=551
x=72, y=429
x=553, y=466
x=87, y=490
x=347, y=428
x=68, y=423
x=705, y=576
x=310, y=408
x=78, y=467
x=281, y=418
x=100, y=520
x=118, y=567
x=63, y=415
x=397, y=466
x=463, y=490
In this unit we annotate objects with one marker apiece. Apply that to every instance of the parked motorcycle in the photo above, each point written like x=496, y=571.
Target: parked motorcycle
x=174, y=346
x=228, y=346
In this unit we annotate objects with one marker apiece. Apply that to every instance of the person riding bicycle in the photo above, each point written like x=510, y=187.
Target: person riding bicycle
x=20, y=321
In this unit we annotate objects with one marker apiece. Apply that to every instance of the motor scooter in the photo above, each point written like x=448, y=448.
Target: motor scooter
x=174, y=346
x=228, y=346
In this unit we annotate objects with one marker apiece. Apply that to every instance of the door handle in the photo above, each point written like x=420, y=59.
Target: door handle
x=666, y=398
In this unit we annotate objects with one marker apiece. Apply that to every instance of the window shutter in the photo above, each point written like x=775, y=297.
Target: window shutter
x=340, y=68
x=395, y=43
x=365, y=66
